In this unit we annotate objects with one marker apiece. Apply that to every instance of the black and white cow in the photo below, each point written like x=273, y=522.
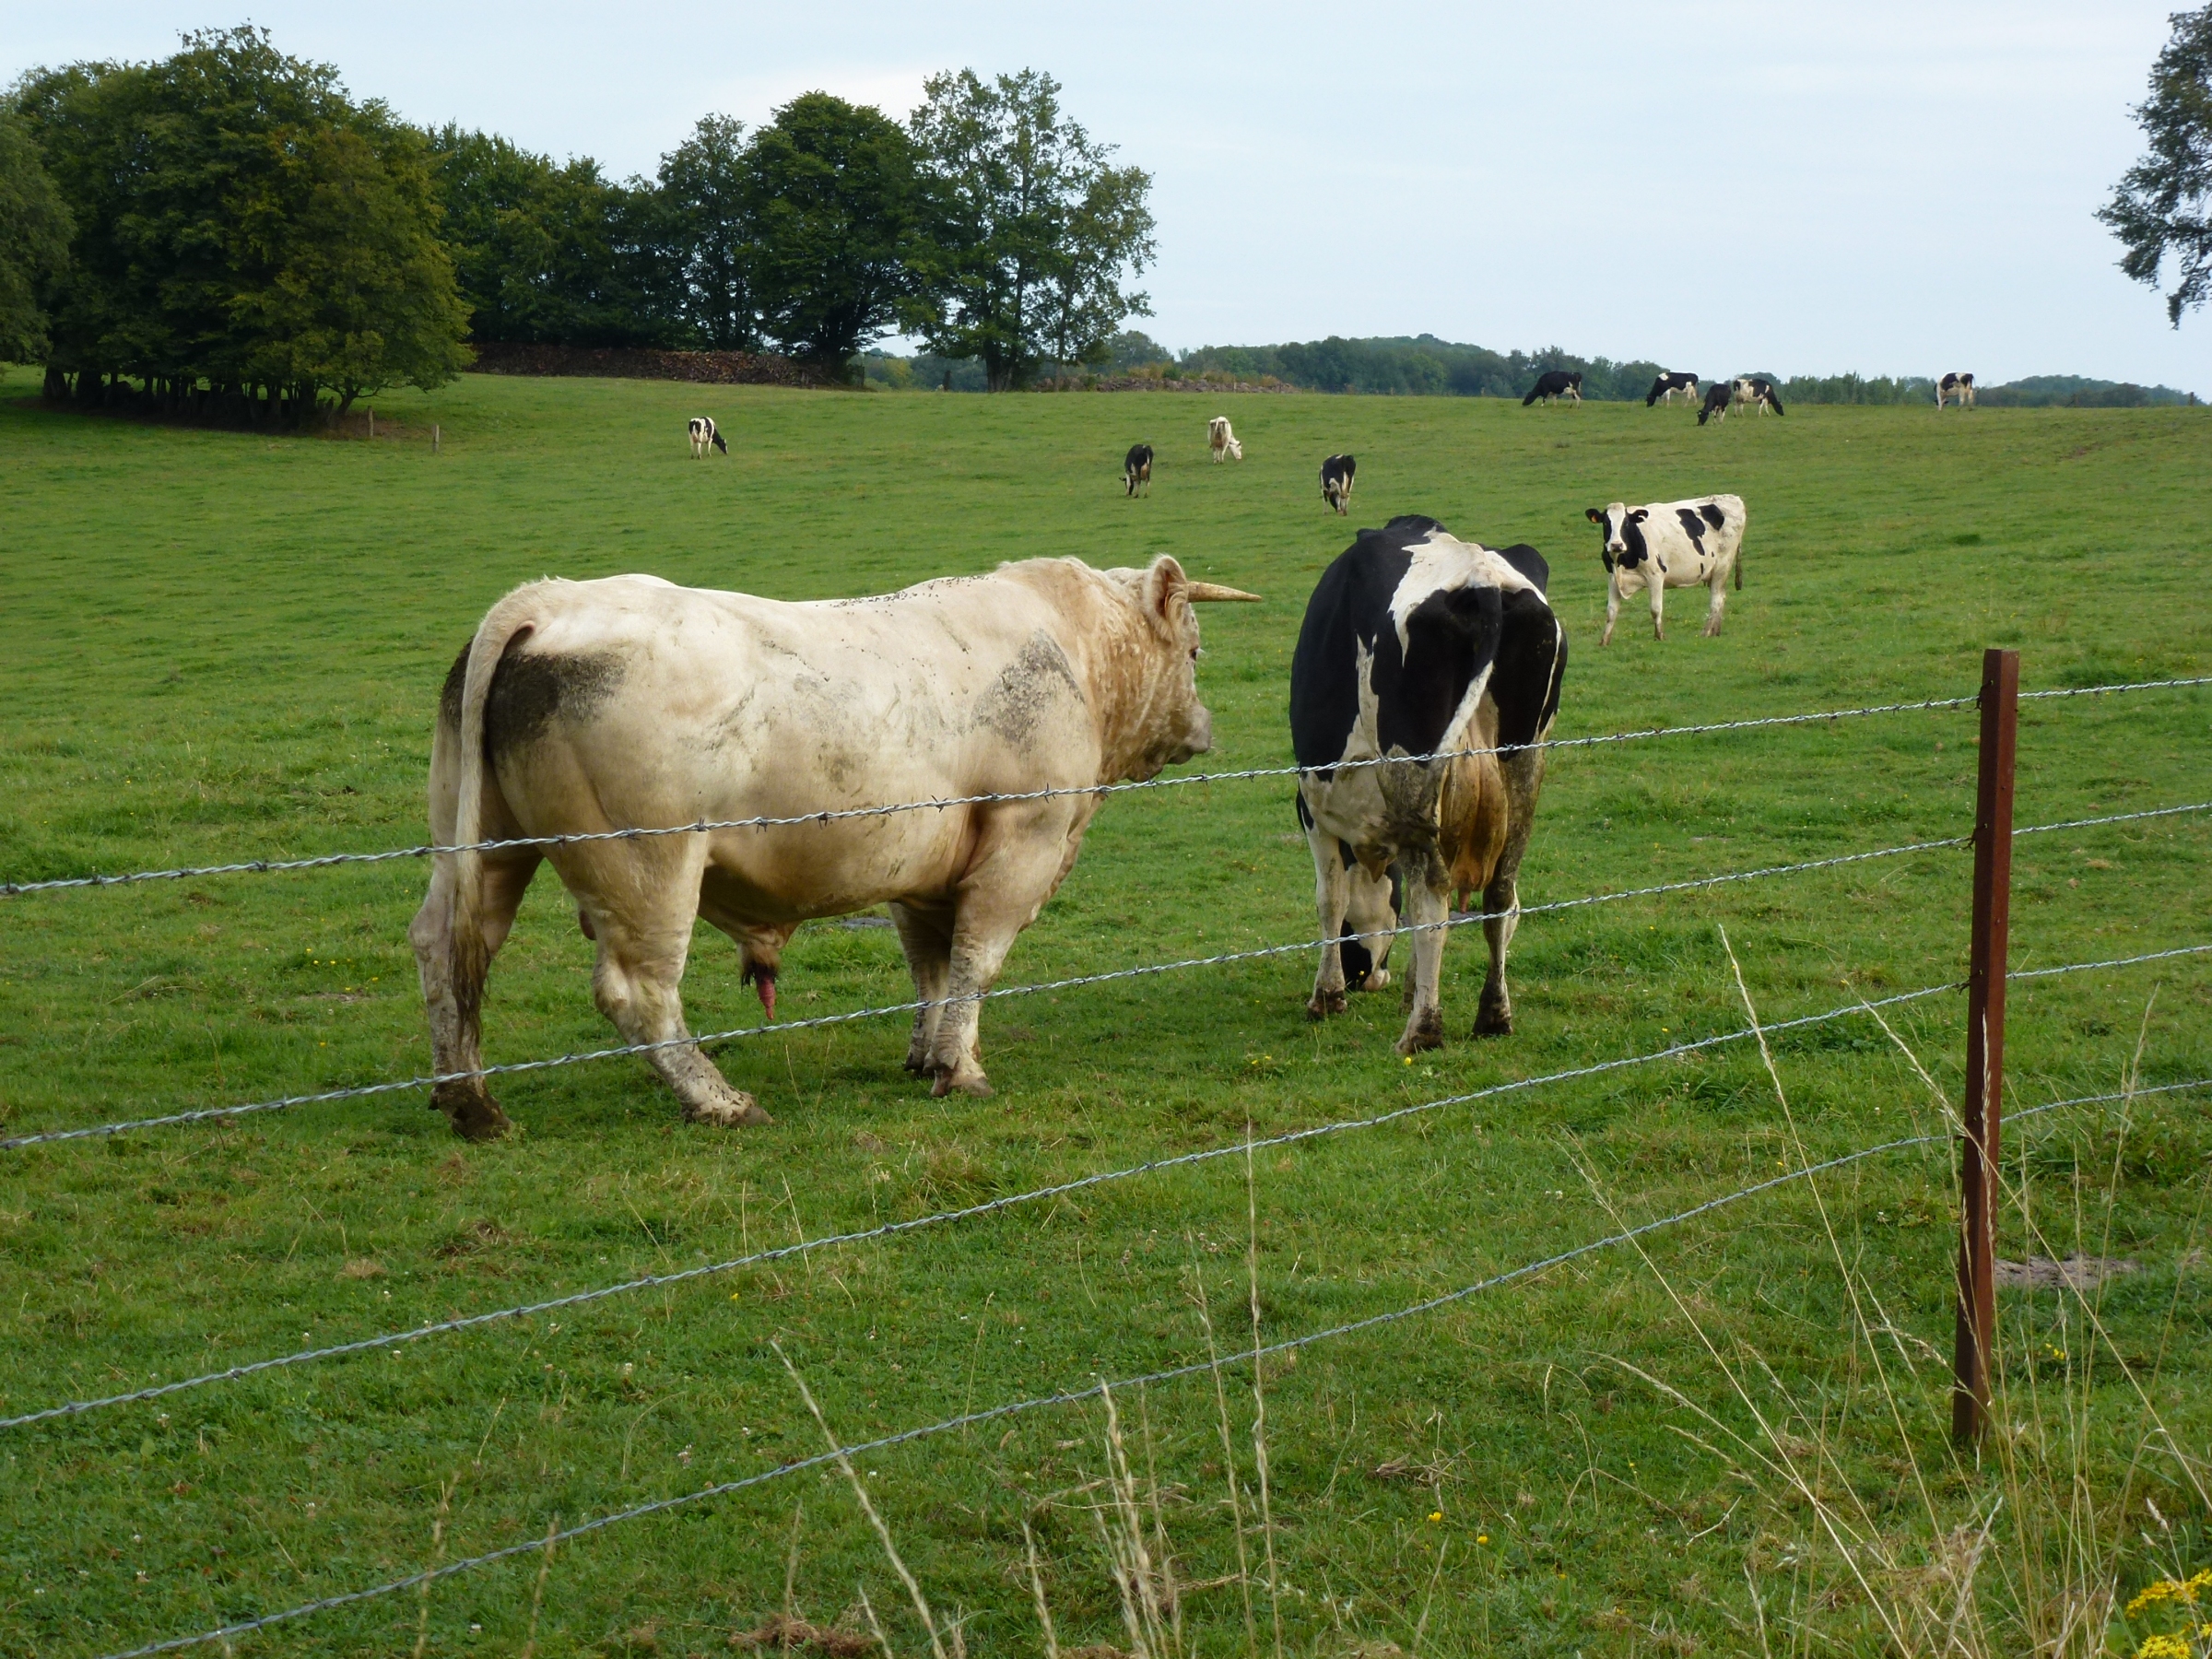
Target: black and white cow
x=1667, y=384
x=1716, y=402
x=1558, y=383
x=1758, y=393
x=1136, y=470
x=1959, y=388
x=1336, y=475
x=702, y=434
x=1416, y=647
x=1670, y=544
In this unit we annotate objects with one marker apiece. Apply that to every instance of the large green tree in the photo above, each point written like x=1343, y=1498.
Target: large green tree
x=706, y=225
x=240, y=222
x=2159, y=205
x=1033, y=234
x=831, y=193
x=34, y=242
x=553, y=251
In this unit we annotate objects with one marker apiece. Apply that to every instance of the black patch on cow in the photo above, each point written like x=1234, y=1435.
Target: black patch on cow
x=1305, y=814
x=1530, y=563
x=530, y=688
x=1530, y=667
x=1352, y=593
x=1693, y=526
x=449, y=695
x=1357, y=963
x=1451, y=637
x=1014, y=703
x=1712, y=515
x=1632, y=532
x=1717, y=397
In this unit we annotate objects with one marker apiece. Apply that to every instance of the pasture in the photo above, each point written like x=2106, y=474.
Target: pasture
x=1730, y=1438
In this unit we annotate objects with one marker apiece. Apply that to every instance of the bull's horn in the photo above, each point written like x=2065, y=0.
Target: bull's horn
x=1197, y=592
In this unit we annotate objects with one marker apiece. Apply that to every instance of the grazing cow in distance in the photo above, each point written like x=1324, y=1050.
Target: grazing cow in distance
x=1670, y=544
x=1959, y=388
x=1717, y=396
x=1416, y=648
x=583, y=707
x=1758, y=393
x=702, y=434
x=1336, y=475
x=1223, y=443
x=1667, y=384
x=1558, y=382
x=1136, y=470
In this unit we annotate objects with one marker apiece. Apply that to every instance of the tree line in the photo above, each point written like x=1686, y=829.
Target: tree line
x=227, y=227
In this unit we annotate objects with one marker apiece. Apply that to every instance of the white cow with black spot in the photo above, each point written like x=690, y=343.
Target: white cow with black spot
x=1671, y=544
x=1223, y=443
x=703, y=434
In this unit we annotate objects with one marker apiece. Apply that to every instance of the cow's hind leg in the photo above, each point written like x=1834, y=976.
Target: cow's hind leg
x=1719, y=584
x=1332, y=897
x=1657, y=584
x=453, y=970
x=643, y=943
x=1427, y=907
x=1612, y=609
x=926, y=937
x=1524, y=775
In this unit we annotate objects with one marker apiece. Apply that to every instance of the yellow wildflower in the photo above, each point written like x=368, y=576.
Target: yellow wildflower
x=1436, y=1514
x=2163, y=1647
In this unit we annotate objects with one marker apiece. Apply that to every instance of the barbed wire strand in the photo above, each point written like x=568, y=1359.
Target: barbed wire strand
x=325, y=861
x=229, y=1632
x=1257, y=953
x=2114, y=817
x=939, y=1219
x=429, y=1080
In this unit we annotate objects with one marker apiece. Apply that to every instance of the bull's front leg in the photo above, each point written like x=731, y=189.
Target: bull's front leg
x=1427, y=907
x=1000, y=896
x=1523, y=774
x=925, y=935
x=1332, y=897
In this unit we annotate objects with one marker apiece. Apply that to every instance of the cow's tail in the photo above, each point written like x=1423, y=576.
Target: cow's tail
x=1739, y=567
x=513, y=619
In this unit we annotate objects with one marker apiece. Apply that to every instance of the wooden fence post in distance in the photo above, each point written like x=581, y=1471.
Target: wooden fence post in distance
x=1979, y=1152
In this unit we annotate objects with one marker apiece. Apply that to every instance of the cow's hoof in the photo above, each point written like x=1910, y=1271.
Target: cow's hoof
x=1428, y=1033
x=972, y=1083
x=1487, y=1024
x=739, y=1112
x=918, y=1062
x=473, y=1114
x=1322, y=1004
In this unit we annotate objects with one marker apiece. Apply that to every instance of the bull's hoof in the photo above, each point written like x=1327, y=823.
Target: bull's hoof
x=1426, y=1032
x=1322, y=1004
x=970, y=1083
x=739, y=1112
x=473, y=1114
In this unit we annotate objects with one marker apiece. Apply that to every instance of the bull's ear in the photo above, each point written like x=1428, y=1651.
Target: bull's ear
x=1596, y=515
x=1164, y=583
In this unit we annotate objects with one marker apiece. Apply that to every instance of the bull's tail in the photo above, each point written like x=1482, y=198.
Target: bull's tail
x=510, y=620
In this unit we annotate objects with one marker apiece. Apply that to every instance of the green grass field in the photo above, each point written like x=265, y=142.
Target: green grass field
x=220, y=646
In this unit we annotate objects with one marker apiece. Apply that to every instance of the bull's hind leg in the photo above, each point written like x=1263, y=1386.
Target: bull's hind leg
x=926, y=937
x=1332, y=897
x=453, y=969
x=1524, y=775
x=1427, y=907
x=644, y=940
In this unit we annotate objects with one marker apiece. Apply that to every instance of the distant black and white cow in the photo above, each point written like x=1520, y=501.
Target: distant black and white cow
x=1416, y=644
x=1667, y=384
x=1758, y=393
x=1670, y=544
x=1716, y=402
x=1223, y=443
x=1336, y=475
x=1558, y=383
x=1136, y=470
x=702, y=434
x=1959, y=388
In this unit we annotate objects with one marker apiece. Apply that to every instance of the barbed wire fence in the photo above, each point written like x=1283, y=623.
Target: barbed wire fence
x=1072, y=1397
x=224, y=1633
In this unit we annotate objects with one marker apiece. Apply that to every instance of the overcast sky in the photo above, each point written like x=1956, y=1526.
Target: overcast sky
x=1876, y=186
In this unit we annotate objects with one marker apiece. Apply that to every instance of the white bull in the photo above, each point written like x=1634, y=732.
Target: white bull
x=581, y=706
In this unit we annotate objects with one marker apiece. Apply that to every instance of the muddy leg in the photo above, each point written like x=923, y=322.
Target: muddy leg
x=1428, y=904
x=453, y=970
x=926, y=937
x=1332, y=897
x=1524, y=775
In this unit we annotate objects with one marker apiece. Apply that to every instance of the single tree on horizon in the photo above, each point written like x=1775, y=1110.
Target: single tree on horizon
x=2160, y=207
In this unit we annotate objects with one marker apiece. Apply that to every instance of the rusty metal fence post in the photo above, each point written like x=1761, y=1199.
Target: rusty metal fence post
x=1985, y=1046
